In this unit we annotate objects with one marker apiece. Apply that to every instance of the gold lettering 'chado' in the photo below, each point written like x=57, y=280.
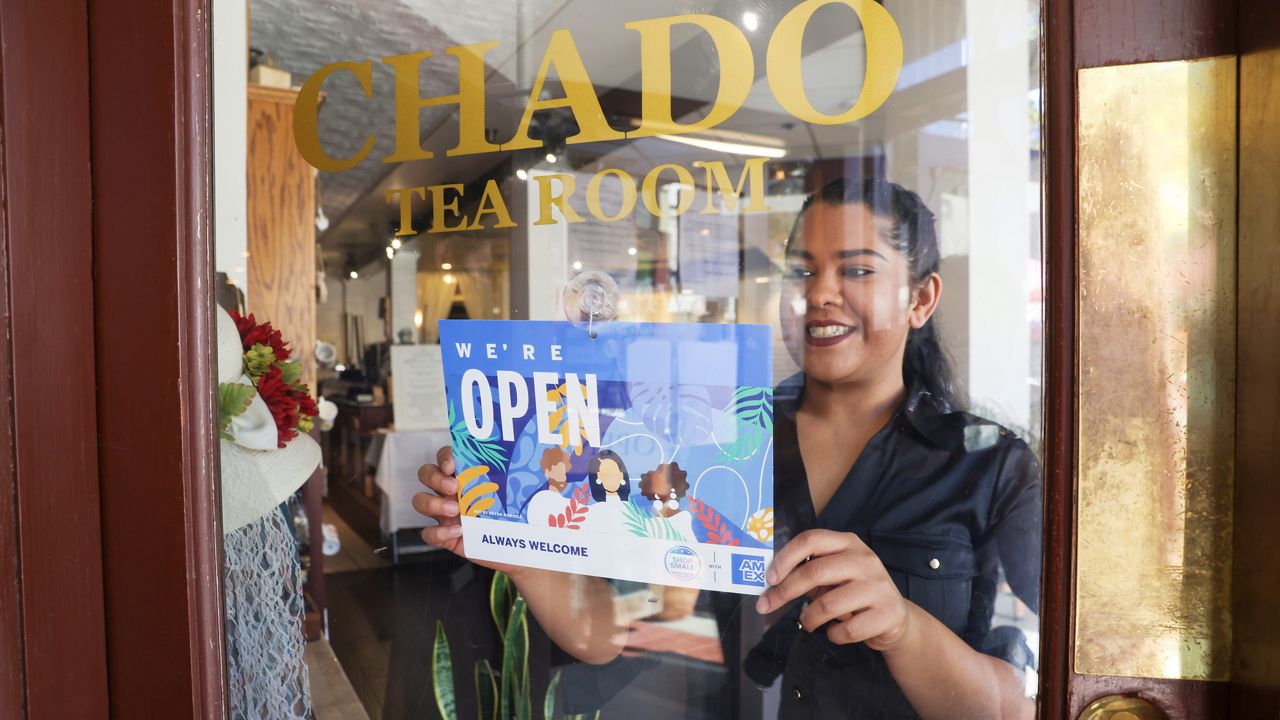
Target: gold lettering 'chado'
x=469, y=99
x=884, y=61
x=737, y=73
x=783, y=68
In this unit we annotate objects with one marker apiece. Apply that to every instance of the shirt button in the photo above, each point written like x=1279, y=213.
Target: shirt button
x=798, y=694
x=934, y=564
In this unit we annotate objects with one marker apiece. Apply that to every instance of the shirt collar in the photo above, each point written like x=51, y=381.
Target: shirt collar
x=922, y=410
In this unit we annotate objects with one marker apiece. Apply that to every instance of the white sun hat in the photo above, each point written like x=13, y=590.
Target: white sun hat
x=256, y=474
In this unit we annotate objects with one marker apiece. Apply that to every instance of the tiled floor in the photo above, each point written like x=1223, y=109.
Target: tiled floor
x=332, y=696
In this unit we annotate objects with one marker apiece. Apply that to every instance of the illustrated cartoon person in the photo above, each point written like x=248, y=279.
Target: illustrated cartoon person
x=609, y=479
x=550, y=500
x=610, y=487
x=666, y=485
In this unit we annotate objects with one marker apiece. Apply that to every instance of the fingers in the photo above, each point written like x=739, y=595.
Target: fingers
x=810, y=543
x=819, y=572
x=445, y=536
x=836, y=603
x=861, y=627
x=437, y=480
x=444, y=458
x=439, y=508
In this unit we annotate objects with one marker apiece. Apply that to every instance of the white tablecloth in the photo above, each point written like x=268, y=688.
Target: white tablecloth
x=398, y=462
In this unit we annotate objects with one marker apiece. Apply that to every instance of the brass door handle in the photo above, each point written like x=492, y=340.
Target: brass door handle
x=1121, y=707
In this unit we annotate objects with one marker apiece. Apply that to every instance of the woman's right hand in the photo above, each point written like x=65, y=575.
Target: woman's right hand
x=441, y=505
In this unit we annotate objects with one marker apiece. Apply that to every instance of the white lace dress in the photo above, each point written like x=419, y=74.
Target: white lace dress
x=264, y=612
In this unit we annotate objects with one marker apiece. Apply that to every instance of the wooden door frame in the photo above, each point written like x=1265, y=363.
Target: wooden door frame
x=51, y=577
x=162, y=539
x=1059, y=172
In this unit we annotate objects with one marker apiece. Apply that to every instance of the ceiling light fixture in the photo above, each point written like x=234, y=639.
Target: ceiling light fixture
x=522, y=174
x=396, y=244
x=551, y=158
x=726, y=147
x=750, y=21
x=446, y=266
x=353, y=275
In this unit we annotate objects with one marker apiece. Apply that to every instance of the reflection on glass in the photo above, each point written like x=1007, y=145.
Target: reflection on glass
x=672, y=147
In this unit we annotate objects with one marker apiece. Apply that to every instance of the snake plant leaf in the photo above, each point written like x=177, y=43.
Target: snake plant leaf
x=500, y=601
x=442, y=675
x=515, y=647
x=549, y=703
x=486, y=691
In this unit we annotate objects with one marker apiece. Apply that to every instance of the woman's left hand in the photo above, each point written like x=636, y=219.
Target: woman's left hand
x=846, y=582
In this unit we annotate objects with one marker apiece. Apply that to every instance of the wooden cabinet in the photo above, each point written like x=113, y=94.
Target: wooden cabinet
x=281, y=225
x=280, y=222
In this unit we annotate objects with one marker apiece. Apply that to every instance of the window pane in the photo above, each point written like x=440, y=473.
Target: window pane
x=860, y=178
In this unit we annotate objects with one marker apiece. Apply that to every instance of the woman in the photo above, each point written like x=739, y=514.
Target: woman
x=610, y=488
x=896, y=514
x=665, y=486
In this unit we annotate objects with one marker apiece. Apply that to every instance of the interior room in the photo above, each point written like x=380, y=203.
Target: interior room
x=359, y=266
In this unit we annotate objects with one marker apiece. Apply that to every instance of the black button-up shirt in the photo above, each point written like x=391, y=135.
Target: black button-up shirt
x=950, y=503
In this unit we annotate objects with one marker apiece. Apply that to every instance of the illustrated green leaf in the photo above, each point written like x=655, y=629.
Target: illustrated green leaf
x=233, y=399
x=752, y=411
x=635, y=520
x=470, y=450
x=442, y=675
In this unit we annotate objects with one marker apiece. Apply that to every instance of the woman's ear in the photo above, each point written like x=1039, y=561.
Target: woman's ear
x=925, y=300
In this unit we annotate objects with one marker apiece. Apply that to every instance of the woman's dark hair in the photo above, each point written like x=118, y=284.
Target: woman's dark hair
x=593, y=471
x=676, y=479
x=912, y=232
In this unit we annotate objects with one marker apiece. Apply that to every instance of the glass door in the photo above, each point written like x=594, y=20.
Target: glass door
x=859, y=181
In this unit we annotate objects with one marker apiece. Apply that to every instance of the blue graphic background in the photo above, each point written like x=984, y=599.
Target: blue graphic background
x=696, y=394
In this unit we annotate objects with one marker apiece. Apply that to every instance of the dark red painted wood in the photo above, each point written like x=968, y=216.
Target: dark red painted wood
x=51, y=541
x=1060, y=358
x=152, y=256
x=1259, y=25
x=12, y=694
x=1122, y=32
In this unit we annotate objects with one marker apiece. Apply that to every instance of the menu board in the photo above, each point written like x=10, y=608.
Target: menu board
x=417, y=388
x=644, y=453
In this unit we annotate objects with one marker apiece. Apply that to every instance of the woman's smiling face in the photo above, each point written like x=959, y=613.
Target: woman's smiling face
x=847, y=298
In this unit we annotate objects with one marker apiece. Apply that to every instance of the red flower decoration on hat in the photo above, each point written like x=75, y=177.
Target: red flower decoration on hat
x=276, y=379
x=280, y=400
x=255, y=333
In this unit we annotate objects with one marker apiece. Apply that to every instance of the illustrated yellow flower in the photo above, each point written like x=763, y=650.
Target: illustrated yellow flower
x=760, y=525
x=477, y=499
x=559, y=418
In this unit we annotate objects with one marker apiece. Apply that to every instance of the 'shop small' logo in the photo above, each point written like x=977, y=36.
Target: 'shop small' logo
x=683, y=563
